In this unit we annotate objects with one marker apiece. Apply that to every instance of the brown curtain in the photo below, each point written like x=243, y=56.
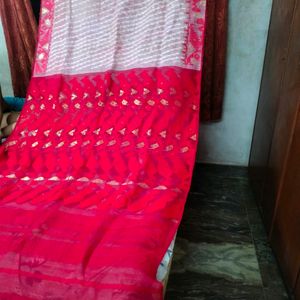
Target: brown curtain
x=213, y=79
x=20, y=29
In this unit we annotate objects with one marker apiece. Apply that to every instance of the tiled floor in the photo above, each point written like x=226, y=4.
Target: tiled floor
x=221, y=249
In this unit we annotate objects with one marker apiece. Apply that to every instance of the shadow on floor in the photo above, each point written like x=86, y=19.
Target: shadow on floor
x=221, y=250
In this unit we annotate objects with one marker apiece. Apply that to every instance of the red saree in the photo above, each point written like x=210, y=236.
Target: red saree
x=95, y=176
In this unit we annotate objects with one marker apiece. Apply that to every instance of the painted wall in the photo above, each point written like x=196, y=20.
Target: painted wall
x=5, y=77
x=229, y=141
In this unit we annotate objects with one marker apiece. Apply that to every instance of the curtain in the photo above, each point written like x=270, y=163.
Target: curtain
x=214, y=60
x=20, y=29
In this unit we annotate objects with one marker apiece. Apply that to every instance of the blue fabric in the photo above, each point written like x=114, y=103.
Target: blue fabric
x=15, y=103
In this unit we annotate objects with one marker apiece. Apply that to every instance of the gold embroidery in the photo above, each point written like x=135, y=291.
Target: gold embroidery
x=59, y=132
x=169, y=148
x=164, y=102
x=159, y=91
x=194, y=137
x=163, y=134
x=133, y=92
x=146, y=91
x=137, y=102
x=97, y=131
x=154, y=146
x=135, y=132
x=99, y=143
x=60, y=144
x=83, y=132
x=73, y=144
x=109, y=131
x=111, y=143
x=184, y=149
x=71, y=133
x=47, y=145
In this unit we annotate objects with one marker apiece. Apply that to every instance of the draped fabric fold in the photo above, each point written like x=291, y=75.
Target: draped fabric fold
x=214, y=64
x=95, y=176
x=20, y=29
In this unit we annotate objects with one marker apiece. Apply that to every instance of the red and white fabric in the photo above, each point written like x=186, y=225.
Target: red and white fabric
x=95, y=176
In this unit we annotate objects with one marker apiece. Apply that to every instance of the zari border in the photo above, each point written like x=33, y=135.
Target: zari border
x=44, y=37
x=195, y=32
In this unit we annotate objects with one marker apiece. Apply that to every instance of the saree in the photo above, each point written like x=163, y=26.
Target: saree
x=95, y=176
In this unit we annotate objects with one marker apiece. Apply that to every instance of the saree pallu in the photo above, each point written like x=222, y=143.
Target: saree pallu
x=95, y=176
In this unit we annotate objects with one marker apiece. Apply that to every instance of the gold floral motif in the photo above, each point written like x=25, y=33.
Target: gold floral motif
x=164, y=102
x=109, y=131
x=140, y=145
x=59, y=132
x=135, y=132
x=47, y=145
x=84, y=132
x=169, y=148
x=74, y=143
x=33, y=132
x=133, y=92
x=99, y=143
x=137, y=102
x=184, y=149
x=146, y=91
x=122, y=131
x=60, y=145
x=11, y=143
x=86, y=143
x=163, y=134
x=194, y=137
x=111, y=143
x=97, y=131
x=47, y=132
x=61, y=96
x=125, y=144
x=71, y=132
x=154, y=146
x=73, y=96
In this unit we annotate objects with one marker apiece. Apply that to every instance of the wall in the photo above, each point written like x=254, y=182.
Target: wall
x=5, y=77
x=229, y=141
